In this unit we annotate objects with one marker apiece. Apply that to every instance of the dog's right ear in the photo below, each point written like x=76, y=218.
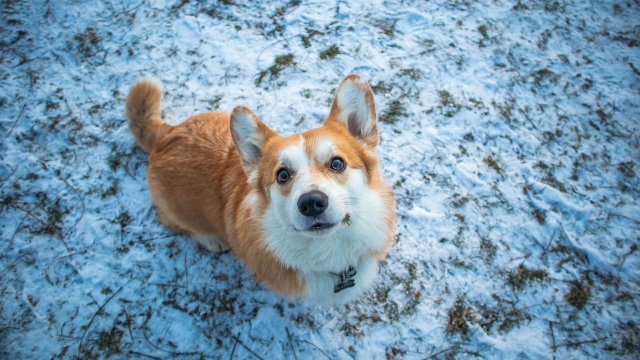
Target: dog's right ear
x=249, y=134
x=354, y=107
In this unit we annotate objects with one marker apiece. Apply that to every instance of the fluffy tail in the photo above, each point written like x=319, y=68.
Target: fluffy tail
x=142, y=110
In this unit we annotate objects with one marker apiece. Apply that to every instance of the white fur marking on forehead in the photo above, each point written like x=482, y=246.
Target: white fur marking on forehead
x=294, y=156
x=324, y=149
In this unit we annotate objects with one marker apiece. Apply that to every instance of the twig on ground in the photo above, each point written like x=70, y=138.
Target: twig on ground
x=15, y=232
x=14, y=124
x=578, y=343
x=553, y=339
x=522, y=110
x=145, y=355
x=290, y=344
x=8, y=176
x=79, y=197
x=456, y=345
x=237, y=337
x=176, y=353
x=235, y=344
x=93, y=318
x=453, y=347
x=315, y=346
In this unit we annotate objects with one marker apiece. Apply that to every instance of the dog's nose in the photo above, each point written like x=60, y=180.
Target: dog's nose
x=313, y=203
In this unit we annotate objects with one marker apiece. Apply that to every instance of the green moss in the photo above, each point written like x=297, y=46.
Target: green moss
x=280, y=63
x=331, y=52
x=395, y=110
x=413, y=74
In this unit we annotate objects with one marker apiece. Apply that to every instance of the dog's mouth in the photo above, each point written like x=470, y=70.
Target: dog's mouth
x=321, y=226
x=318, y=229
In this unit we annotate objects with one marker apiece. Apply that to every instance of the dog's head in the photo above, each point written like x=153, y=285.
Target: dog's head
x=314, y=180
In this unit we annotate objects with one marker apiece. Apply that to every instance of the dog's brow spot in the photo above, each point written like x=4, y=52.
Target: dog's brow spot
x=324, y=149
x=293, y=156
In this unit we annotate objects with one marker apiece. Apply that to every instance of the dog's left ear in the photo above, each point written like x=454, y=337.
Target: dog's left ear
x=249, y=134
x=354, y=107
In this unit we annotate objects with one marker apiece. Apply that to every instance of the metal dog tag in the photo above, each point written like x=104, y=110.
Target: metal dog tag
x=346, y=279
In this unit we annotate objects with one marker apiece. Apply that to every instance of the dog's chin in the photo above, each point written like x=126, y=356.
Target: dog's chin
x=319, y=229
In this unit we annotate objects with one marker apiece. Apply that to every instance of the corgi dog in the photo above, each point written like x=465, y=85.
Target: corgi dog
x=308, y=213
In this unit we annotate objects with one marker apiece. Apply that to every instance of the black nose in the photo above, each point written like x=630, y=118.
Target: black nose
x=312, y=203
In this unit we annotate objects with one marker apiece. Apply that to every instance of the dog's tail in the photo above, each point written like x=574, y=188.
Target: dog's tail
x=142, y=109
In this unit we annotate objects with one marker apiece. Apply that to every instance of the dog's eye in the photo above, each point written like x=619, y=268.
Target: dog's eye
x=282, y=176
x=337, y=164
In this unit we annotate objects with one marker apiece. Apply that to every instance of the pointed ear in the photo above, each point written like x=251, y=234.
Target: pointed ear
x=354, y=107
x=249, y=134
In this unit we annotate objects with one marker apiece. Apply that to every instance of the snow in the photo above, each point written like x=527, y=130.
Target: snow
x=516, y=146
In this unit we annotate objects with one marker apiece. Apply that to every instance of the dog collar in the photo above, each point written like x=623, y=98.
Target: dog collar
x=346, y=279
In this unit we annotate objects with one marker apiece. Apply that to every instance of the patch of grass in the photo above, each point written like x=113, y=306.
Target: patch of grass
x=331, y=52
x=542, y=75
x=458, y=317
x=544, y=40
x=602, y=115
x=578, y=294
x=51, y=105
x=112, y=190
x=493, y=164
x=109, y=341
x=505, y=110
x=448, y=102
x=580, y=291
x=484, y=30
x=395, y=353
x=124, y=219
x=540, y=216
x=507, y=315
x=87, y=42
x=520, y=6
x=459, y=200
x=550, y=180
x=387, y=26
x=523, y=276
x=413, y=74
x=626, y=169
x=395, y=110
x=306, y=39
x=446, y=98
x=550, y=136
x=488, y=249
x=381, y=88
x=215, y=102
x=553, y=6
x=280, y=63
x=469, y=137
x=114, y=160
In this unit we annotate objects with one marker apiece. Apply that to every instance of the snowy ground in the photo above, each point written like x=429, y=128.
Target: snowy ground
x=510, y=131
